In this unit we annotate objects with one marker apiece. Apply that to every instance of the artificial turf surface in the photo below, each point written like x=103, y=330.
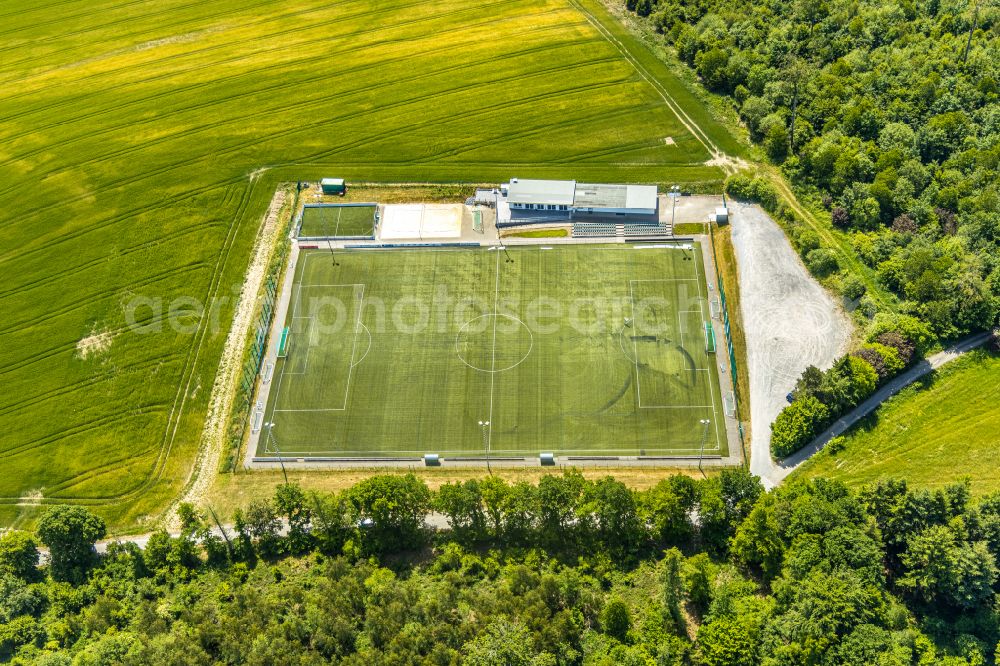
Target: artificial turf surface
x=337, y=221
x=404, y=352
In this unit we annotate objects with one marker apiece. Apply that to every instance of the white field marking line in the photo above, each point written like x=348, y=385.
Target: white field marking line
x=354, y=343
x=621, y=343
x=354, y=346
x=667, y=246
x=288, y=454
x=675, y=406
x=538, y=382
x=527, y=453
x=531, y=342
x=294, y=307
x=305, y=368
x=711, y=385
x=666, y=280
x=635, y=348
x=367, y=349
x=347, y=388
x=680, y=330
x=493, y=366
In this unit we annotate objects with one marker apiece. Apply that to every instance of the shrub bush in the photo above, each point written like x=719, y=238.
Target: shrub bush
x=890, y=356
x=874, y=359
x=905, y=349
x=863, y=379
x=753, y=189
x=853, y=287
x=911, y=328
x=807, y=240
x=822, y=261
x=796, y=425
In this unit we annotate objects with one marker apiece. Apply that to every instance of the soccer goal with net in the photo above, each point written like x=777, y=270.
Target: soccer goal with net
x=284, y=342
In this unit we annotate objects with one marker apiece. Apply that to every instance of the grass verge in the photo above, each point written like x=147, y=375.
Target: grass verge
x=235, y=490
x=727, y=269
x=938, y=430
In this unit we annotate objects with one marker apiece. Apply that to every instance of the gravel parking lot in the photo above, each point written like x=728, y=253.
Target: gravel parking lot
x=791, y=322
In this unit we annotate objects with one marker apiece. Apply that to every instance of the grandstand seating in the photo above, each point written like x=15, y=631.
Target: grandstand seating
x=613, y=230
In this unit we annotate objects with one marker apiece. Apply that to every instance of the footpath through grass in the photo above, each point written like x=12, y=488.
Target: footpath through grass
x=141, y=142
x=938, y=430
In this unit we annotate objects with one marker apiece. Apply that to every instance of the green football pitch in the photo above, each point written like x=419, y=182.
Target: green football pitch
x=338, y=221
x=589, y=350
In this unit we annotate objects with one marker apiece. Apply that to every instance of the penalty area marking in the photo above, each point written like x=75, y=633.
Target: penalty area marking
x=354, y=345
x=367, y=349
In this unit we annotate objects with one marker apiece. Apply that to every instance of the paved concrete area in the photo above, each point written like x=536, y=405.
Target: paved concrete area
x=790, y=322
x=693, y=209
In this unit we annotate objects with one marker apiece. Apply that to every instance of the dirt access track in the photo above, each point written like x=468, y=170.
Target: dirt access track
x=790, y=323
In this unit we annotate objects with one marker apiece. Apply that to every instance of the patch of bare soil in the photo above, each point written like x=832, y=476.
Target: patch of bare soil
x=94, y=344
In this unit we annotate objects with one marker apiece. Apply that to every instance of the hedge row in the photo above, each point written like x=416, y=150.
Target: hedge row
x=820, y=397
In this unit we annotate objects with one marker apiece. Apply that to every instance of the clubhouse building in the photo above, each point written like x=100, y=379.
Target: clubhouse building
x=524, y=201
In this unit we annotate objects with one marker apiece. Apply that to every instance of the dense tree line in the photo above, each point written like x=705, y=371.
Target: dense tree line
x=886, y=112
x=568, y=571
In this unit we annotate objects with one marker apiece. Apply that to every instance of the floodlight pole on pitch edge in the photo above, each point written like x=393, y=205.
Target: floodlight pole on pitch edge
x=704, y=436
x=675, y=191
x=486, y=444
x=272, y=440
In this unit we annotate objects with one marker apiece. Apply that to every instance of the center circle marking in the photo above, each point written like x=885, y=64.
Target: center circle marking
x=507, y=361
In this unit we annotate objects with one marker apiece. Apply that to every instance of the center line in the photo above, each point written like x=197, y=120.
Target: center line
x=493, y=364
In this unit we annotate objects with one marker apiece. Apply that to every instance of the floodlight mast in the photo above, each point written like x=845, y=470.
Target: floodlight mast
x=329, y=239
x=704, y=436
x=675, y=191
x=272, y=440
x=485, y=425
x=503, y=247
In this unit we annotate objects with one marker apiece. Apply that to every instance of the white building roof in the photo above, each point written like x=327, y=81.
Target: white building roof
x=641, y=196
x=553, y=192
x=600, y=196
x=604, y=196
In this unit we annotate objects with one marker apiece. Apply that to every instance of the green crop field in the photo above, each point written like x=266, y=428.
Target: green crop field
x=335, y=220
x=577, y=350
x=141, y=141
x=937, y=431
